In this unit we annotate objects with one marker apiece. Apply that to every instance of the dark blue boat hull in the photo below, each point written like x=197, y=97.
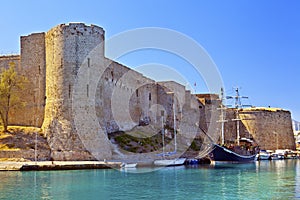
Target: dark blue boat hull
x=221, y=154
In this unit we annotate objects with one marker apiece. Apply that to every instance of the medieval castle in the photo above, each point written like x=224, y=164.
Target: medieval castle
x=78, y=97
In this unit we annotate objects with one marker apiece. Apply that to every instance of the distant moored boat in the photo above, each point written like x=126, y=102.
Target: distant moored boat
x=264, y=155
x=170, y=162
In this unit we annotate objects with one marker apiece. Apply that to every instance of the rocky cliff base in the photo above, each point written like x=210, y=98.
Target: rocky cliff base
x=19, y=144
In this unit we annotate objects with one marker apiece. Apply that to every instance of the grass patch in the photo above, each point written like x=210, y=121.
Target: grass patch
x=137, y=141
x=146, y=140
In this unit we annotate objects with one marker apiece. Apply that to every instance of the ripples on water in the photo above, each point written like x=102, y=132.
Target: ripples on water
x=260, y=180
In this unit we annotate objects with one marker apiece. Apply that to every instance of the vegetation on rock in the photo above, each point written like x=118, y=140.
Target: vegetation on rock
x=141, y=141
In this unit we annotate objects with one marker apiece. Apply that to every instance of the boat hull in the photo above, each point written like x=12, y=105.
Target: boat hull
x=170, y=162
x=275, y=156
x=220, y=154
x=129, y=165
x=264, y=157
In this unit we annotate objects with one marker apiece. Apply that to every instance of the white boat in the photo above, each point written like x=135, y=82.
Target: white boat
x=264, y=155
x=128, y=165
x=291, y=154
x=276, y=156
x=170, y=162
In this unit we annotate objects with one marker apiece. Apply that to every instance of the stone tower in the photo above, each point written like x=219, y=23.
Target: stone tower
x=74, y=53
x=270, y=127
x=33, y=66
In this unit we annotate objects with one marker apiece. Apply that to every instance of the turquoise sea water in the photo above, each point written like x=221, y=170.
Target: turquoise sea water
x=261, y=180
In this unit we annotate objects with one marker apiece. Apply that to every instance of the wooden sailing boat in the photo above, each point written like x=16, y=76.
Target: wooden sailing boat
x=221, y=154
x=164, y=161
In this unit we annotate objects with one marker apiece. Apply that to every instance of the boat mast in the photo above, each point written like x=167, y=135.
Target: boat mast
x=174, y=110
x=163, y=132
x=238, y=105
x=222, y=120
x=174, y=120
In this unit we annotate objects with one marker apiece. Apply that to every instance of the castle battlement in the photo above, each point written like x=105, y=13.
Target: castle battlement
x=78, y=96
x=67, y=70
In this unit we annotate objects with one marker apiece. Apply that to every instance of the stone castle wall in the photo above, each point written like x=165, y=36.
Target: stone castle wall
x=78, y=97
x=31, y=64
x=230, y=127
x=124, y=98
x=5, y=61
x=210, y=115
x=271, y=128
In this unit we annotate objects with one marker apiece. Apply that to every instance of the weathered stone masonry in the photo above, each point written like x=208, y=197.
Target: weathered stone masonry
x=110, y=96
x=78, y=96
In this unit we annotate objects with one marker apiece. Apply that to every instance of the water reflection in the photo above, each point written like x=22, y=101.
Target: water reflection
x=281, y=177
x=24, y=185
x=261, y=180
x=297, y=180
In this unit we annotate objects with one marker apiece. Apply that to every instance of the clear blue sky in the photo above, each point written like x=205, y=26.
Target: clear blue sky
x=255, y=44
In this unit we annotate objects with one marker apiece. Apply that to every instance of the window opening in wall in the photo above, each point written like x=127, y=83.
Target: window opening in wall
x=137, y=93
x=112, y=76
x=89, y=62
x=87, y=90
x=149, y=96
x=69, y=91
x=61, y=62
